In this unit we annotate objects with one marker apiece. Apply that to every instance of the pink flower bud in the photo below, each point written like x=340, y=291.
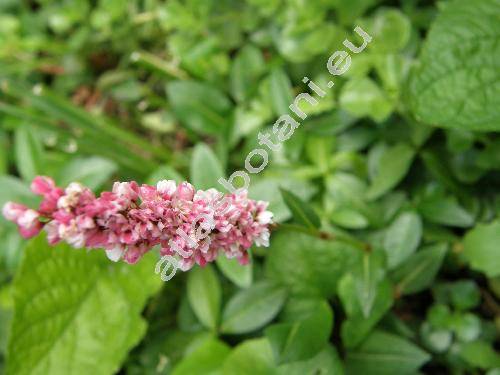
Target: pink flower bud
x=185, y=191
x=42, y=185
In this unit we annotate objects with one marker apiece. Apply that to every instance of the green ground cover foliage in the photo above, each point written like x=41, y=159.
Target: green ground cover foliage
x=386, y=259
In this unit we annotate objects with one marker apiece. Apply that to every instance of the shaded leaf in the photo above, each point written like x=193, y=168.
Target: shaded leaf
x=252, y=357
x=205, y=359
x=308, y=265
x=402, y=238
x=384, y=353
x=418, y=271
x=301, y=211
x=391, y=168
x=481, y=248
x=252, y=308
x=301, y=337
x=239, y=274
x=205, y=168
x=204, y=294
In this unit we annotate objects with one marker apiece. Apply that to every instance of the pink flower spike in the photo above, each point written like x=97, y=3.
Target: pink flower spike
x=193, y=226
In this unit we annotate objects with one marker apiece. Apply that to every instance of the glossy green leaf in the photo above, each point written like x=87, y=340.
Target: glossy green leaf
x=301, y=211
x=480, y=354
x=205, y=168
x=252, y=357
x=481, y=248
x=367, y=275
x=402, y=238
x=92, y=171
x=301, y=337
x=363, y=97
x=251, y=308
x=248, y=65
x=241, y=275
x=308, y=265
x=204, y=294
x=280, y=91
x=326, y=361
x=204, y=360
x=445, y=211
x=357, y=326
x=418, y=271
x=28, y=153
x=383, y=353
x=199, y=106
x=391, y=168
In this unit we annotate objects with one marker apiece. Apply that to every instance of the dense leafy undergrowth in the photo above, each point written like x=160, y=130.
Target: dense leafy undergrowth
x=386, y=259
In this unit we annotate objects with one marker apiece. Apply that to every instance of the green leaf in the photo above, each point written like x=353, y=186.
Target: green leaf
x=204, y=360
x=464, y=294
x=301, y=211
x=383, y=353
x=239, y=274
x=350, y=11
x=247, y=66
x=28, y=153
x=480, y=354
x=308, y=265
x=349, y=218
x=204, y=294
x=391, y=168
x=418, y=271
x=280, y=91
x=390, y=30
x=481, y=248
x=200, y=107
x=460, y=87
x=445, y=211
x=252, y=308
x=325, y=362
x=402, y=238
x=75, y=311
x=252, y=357
x=363, y=97
x=91, y=171
x=205, y=168
x=301, y=337
x=367, y=275
x=268, y=189
x=357, y=326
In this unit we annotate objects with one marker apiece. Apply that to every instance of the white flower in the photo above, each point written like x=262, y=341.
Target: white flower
x=74, y=188
x=28, y=219
x=115, y=253
x=265, y=217
x=10, y=211
x=263, y=239
x=166, y=187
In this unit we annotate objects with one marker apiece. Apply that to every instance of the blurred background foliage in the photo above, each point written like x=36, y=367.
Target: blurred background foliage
x=388, y=259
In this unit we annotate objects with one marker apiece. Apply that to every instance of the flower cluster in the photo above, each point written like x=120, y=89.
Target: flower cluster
x=131, y=219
